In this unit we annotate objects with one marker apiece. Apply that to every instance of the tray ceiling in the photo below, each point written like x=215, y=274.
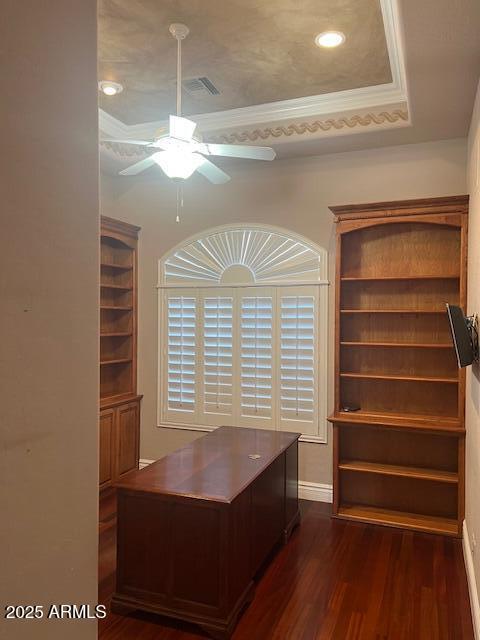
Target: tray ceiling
x=253, y=51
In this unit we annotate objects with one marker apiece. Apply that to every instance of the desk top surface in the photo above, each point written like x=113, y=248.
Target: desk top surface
x=214, y=467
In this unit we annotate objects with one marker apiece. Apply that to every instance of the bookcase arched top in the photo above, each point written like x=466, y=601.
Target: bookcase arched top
x=447, y=220
x=402, y=248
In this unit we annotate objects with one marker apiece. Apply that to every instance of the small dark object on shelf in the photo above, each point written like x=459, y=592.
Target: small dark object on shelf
x=351, y=407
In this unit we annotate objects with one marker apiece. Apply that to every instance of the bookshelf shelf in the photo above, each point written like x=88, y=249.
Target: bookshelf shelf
x=427, y=422
x=420, y=473
x=401, y=519
x=378, y=376
x=119, y=267
x=400, y=277
x=116, y=287
x=396, y=311
x=400, y=345
x=116, y=334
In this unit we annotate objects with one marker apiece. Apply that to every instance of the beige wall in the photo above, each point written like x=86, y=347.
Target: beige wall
x=290, y=193
x=472, y=515
x=48, y=319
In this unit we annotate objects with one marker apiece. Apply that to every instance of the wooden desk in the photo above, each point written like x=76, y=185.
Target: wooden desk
x=195, y=527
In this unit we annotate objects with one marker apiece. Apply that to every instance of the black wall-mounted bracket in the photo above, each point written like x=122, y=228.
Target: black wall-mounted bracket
x=472, y=326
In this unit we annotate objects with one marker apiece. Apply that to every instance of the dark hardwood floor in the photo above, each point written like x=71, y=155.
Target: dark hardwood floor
x=333, y=581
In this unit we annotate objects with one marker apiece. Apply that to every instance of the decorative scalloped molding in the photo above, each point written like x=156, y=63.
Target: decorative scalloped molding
x=292, y=129
x=316, y=126
x=125, y=150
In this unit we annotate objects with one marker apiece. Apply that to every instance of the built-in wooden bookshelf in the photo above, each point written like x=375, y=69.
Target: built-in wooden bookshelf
x=119, y=401
x=399, y=455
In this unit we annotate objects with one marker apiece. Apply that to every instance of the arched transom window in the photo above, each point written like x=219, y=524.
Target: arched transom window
x=243, y=332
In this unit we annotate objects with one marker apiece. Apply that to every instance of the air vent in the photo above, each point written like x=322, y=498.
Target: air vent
x=200, y=85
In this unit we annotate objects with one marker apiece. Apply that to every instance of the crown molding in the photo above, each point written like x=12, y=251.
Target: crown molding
x=365, y=99
x=307, y=107
x=416, y=206
x=395, y=45
x=118, y=226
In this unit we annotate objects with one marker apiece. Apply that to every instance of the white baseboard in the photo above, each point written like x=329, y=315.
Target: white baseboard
x=315, y=491
x=306, y=490
x=472, y=585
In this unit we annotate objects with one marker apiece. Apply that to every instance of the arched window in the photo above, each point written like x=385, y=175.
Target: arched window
x=243, y=332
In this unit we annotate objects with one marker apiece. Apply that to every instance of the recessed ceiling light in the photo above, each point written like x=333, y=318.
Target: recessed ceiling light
x=330, y=39
x=110, y=88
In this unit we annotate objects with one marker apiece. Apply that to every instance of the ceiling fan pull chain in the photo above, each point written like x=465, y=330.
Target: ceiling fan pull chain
x=179, y=201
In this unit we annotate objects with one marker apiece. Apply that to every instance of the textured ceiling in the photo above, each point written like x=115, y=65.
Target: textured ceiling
x=254, y=51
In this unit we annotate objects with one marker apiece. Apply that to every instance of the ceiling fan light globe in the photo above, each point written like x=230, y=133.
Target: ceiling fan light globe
x=177, y=164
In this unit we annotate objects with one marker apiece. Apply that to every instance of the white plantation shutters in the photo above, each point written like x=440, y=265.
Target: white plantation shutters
x=256, y=357
x=218, y=356
x=181, y=354
x=298, y=402
x=244, y=356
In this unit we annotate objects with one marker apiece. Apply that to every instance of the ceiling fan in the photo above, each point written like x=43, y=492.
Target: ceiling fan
x=180, y=152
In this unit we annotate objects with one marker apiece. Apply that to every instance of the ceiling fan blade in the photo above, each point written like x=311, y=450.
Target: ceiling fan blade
x=212, y=172
x=181, y=128
x=133, y=169
x=164, y=143
x=142, y=143
x=240, y=151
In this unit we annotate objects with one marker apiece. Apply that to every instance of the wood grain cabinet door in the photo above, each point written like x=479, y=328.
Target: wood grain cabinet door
x=107, y=444
x=128, y=424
